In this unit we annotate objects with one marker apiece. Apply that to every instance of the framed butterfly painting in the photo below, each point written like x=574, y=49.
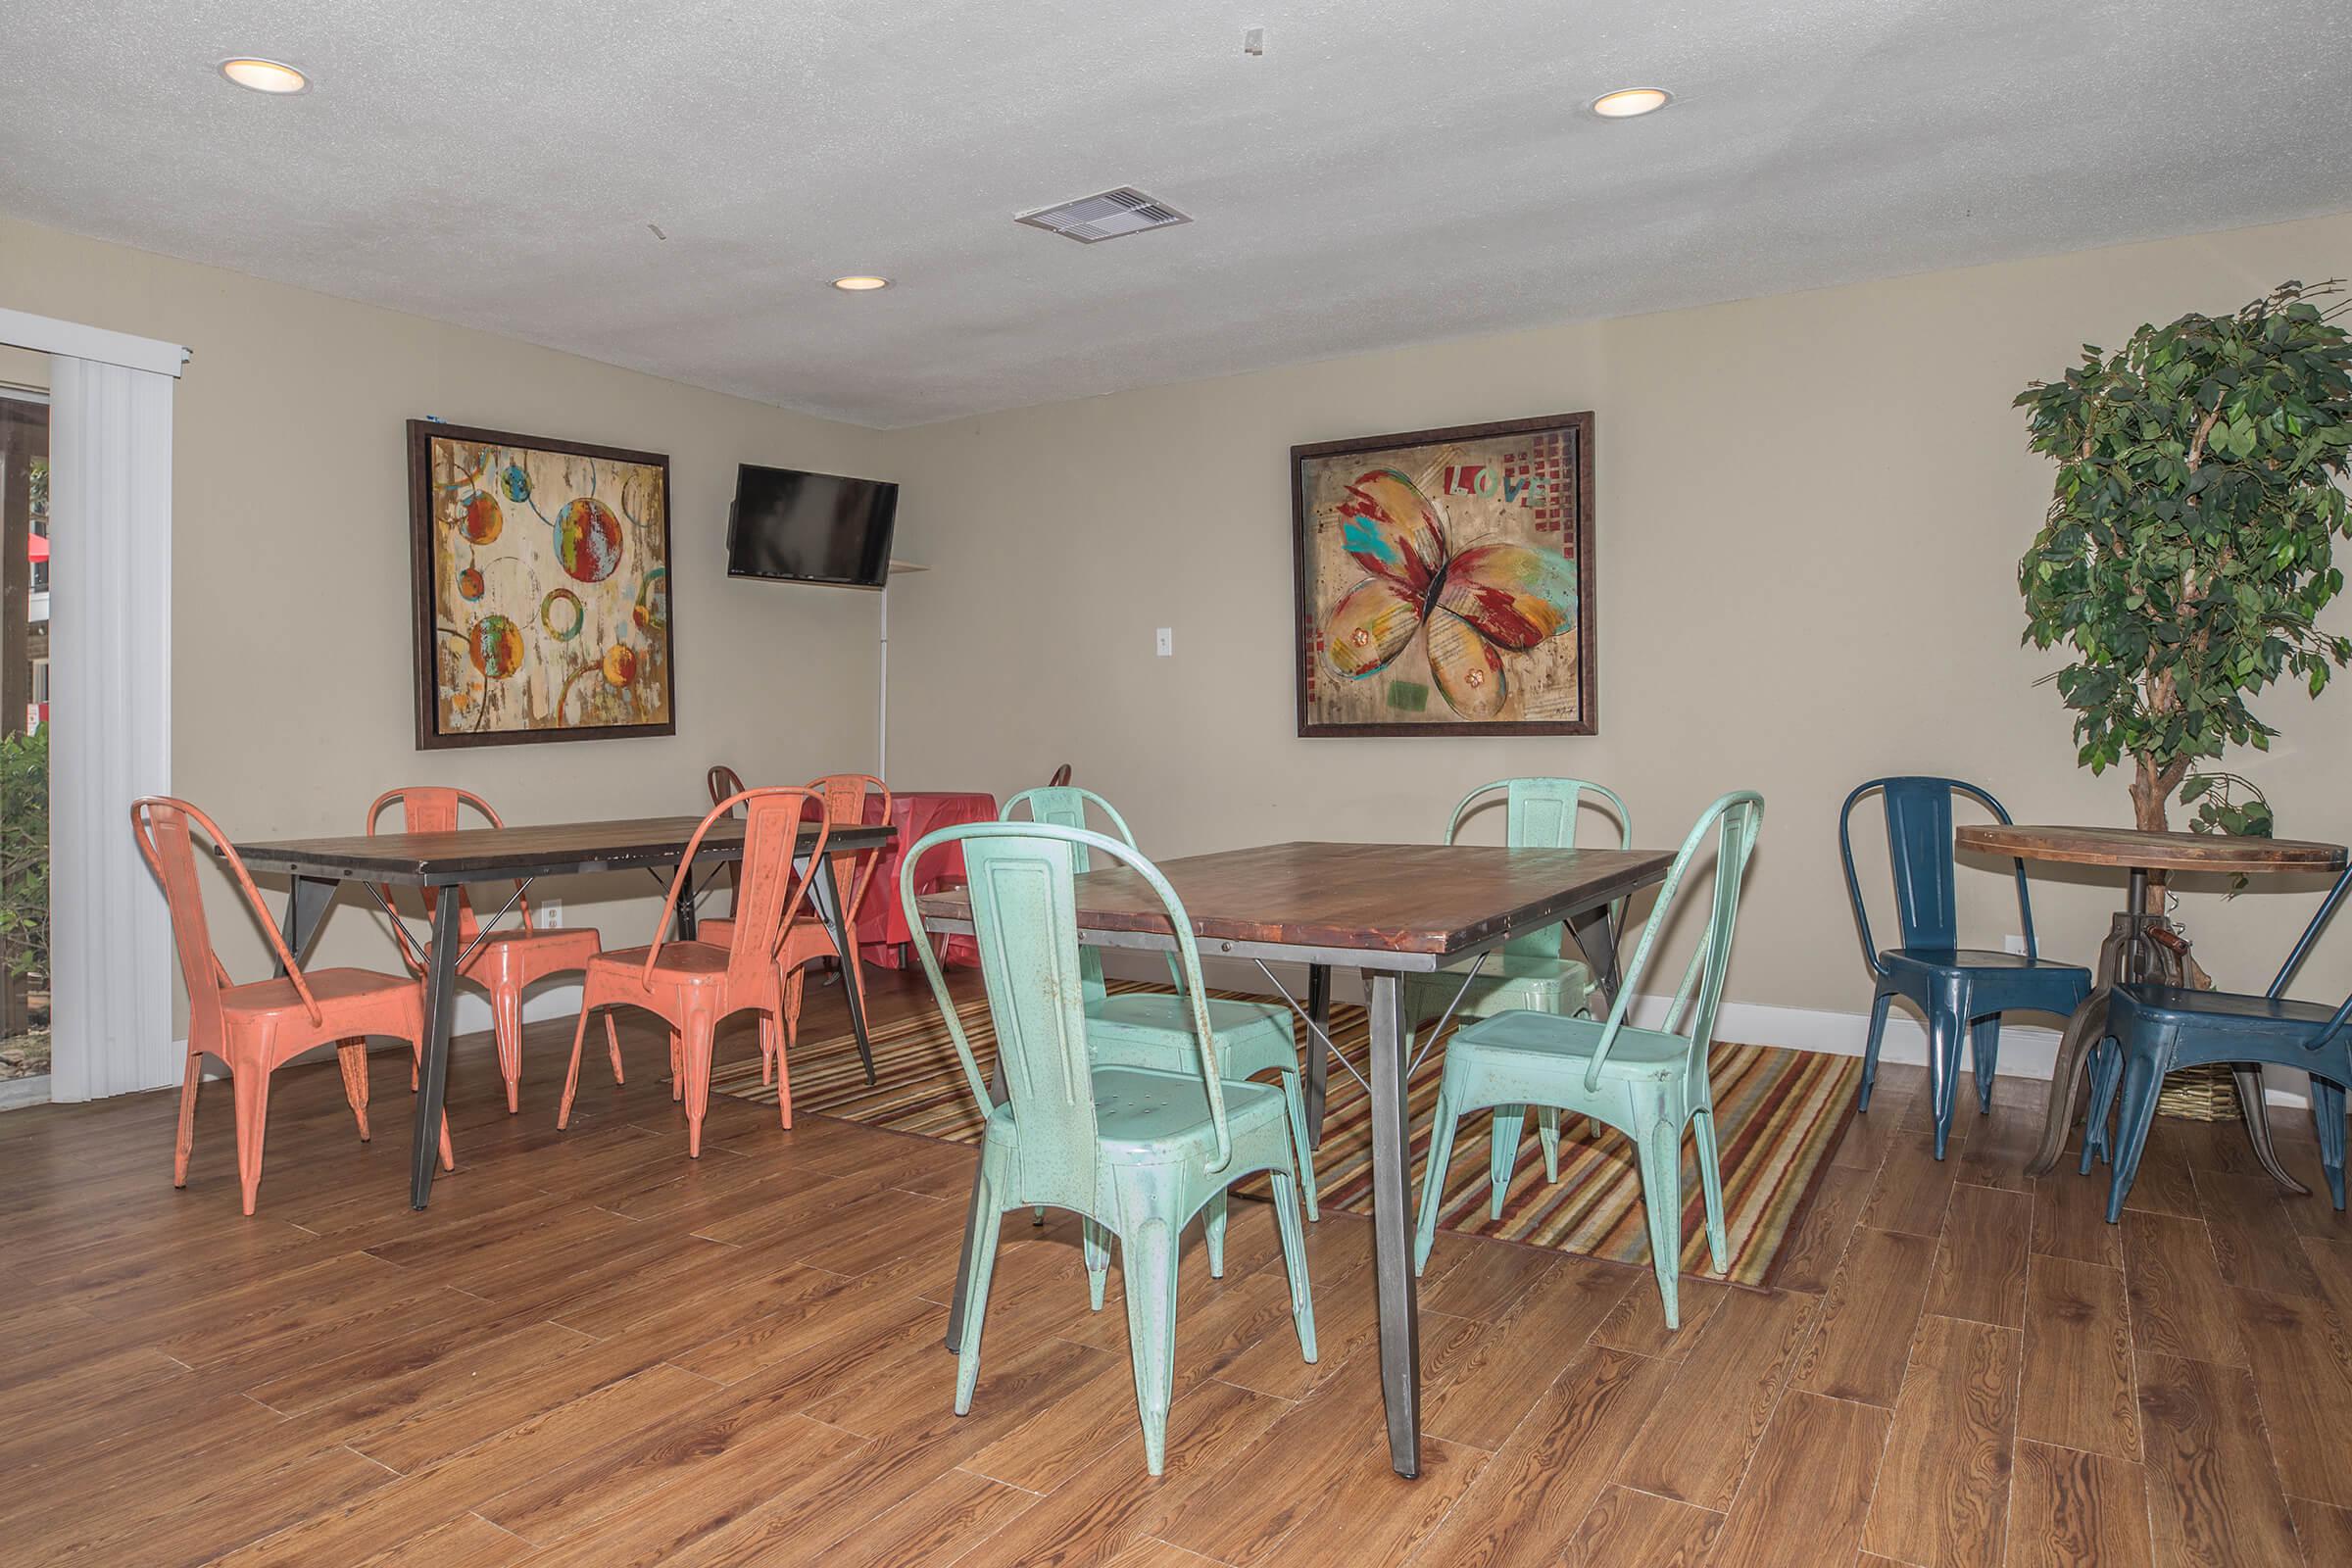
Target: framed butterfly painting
x=1446, y=581
x=540, y=589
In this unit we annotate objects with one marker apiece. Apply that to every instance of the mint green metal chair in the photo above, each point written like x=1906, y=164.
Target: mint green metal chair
x=1136, y=1151
x=1648, y=1084
x=1532, y=972
x=1154, y=1028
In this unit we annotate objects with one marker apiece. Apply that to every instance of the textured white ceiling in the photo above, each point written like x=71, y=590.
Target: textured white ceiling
x=1389, y=171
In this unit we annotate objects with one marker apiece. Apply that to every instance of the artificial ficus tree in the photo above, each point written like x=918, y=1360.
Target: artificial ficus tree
x=2189, y=547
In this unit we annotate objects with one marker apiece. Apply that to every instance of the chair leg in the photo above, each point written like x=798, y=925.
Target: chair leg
x=613, y=1048
x=1983, y=1053
x=1870, y=1046
x=678, y=1069
x=1294, y=1095
x=1710, y=1182
x=2327, y=1119
x=771, y=1047
x=2106, y=1070
x=1443, y=1123
x=1547, y=1133
x=185, y=1143
x=1502, y=1154
x=2142, y=1083
x=251, y=1089
x=1294, y=1261
x=1147, y=1263
x=572, y=1078
x=697, y=1038
x=1945, y=1025
x=1658, y=1145
x=352, y=1056
x=980, y=1262
x=506, y=1030
x=1096, y=1244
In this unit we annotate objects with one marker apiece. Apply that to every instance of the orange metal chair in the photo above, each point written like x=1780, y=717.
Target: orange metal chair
x=505, y=961
x=692, y=985
x=846, y=797
x=256, y=1028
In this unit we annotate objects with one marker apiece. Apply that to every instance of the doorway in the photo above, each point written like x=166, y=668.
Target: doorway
x=24, y=617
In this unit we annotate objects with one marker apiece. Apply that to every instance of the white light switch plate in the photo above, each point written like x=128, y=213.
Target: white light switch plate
x=1167, y=642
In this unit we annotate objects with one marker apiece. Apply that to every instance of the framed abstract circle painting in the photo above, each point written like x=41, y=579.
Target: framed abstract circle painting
x=540, y=589
x=1445, y=581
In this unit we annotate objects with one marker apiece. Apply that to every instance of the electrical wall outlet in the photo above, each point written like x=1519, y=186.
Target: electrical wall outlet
x=548, y=915
x=2013, y=944
x=1167, y=645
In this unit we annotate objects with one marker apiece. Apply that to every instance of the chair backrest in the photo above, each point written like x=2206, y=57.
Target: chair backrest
x=1065, y=806
x=1919, y=851
x=1735, y=819
x=723, y=782
x=848, y=800
x=2302, y=949
x=1061, y=777
x=435, y=809
x=770, y=895
x=161, y=825
x=1022, y=885
x=1540, y=813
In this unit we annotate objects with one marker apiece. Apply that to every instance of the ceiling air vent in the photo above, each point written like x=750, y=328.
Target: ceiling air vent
x=1114, y=213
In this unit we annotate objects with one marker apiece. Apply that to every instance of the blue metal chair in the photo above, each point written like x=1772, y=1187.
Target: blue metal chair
x=2160, y=1029
x=1961, y=990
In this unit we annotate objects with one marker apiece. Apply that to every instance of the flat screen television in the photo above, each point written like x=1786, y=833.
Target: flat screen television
x=810, y=527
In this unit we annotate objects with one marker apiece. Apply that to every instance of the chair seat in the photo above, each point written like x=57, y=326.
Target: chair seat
x=808, y=939
x=1148, y=1117
x=329, y=986
x=1972, y=959
x=2181, y=1003
x=1506, y=983
x=1160, y=1012
x=695, y=963
x=1638, y=1052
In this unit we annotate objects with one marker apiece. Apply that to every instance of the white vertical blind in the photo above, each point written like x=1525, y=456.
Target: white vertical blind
x=109, y=502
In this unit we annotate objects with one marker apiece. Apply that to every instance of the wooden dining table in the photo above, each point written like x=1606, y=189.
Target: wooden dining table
x=1388, y=910
x=443, y=863
x=2141, y=945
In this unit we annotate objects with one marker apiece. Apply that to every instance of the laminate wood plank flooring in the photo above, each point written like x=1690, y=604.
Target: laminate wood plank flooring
x=593, y=1350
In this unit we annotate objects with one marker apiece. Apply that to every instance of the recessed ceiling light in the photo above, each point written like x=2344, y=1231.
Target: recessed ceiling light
x=264, y=75
x=1627, y=102
x=861, y=283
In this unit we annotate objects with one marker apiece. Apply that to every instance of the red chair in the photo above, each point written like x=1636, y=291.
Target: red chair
x=849, y=801
x=256, y=1028
x=692, y=985
x=507, y=961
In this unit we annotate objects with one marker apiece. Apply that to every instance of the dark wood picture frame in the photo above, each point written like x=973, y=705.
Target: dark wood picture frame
x=1578, y=428
x=423, y=538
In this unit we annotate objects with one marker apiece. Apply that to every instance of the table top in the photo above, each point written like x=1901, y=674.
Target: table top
x=1435, y=898
x=2152, y=851
x=485, y=853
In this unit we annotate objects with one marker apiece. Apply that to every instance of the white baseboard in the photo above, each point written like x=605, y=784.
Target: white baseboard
x=2028, y=1050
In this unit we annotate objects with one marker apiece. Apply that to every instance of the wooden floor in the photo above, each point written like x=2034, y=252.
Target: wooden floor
x=591, y=1350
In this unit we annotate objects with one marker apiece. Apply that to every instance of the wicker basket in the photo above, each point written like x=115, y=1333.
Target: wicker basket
x=2203, y=1093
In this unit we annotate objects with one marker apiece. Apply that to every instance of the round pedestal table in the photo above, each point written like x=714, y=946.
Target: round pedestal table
x=2143, y=946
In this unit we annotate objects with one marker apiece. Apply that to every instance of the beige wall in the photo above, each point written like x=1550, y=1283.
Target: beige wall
x=292, y=694
x=1810, y=511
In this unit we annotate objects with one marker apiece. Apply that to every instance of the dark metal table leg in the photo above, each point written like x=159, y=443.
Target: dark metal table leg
x=1597, y=939
x=2083, y=1031
x=1392, y=1226
x=306, y=907
x=682, y=918
x=440, y=1005
x=2255, y=1113
x=1318, y=1054
x=836, y=916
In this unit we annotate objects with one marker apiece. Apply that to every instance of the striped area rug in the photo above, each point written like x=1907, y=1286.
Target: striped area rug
x=1779, y=1116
